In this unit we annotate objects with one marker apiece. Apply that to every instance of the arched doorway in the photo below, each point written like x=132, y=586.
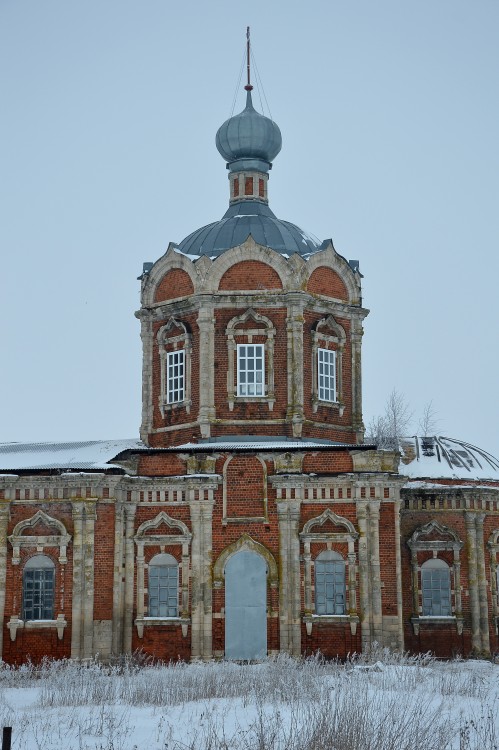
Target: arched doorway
x=246, y=606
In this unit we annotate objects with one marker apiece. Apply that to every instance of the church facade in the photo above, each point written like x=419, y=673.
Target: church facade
x=251, y=517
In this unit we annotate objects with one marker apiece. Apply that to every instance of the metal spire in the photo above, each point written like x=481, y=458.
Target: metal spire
x=248, y=86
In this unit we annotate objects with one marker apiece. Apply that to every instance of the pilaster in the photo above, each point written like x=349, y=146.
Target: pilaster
x=82, y=625
x=482, y=584
x=146, y=334
x=130, y=510
x=356, y=339
x=4, y=521
x=206, y=324
x=364, y=578
x=88, y=583
x=294, y=327
x=78, y=513
x=289, y=584
x=201, y=511
x=375, y=571
x=471, y=545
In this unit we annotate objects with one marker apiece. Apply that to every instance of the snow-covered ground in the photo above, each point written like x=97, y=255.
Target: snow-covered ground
x=383, y=702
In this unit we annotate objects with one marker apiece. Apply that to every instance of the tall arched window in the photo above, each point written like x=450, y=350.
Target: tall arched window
x=435, y=585
x=175, y=344
x=329, y=584
x=38, y=588
x=163, y=586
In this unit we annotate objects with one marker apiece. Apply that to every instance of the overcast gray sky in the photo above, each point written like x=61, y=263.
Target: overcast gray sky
x=109, y=108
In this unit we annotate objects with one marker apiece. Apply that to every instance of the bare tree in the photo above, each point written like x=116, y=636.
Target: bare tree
x=429, y=423
x=386, y=430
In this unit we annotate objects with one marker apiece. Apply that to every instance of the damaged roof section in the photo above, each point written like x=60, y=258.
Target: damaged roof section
x=445, y=458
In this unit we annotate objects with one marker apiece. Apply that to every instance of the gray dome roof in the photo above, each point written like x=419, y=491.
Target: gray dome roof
x=443, y=457
x=249, y=135
x=245, y=219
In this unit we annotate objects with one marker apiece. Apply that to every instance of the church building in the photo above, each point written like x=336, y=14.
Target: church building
x=250, y=518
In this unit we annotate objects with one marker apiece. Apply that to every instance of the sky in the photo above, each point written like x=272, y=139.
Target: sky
x=389, y=115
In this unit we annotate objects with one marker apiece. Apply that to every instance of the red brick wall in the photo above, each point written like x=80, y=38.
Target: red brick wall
x=164, y=643
x=245, y=486
x=250, y=274
x=175, y=283
x=327, y=463
x=387, y=553
x=325, y=281
x=164, y=464
x=332, y=640
x=104, y=562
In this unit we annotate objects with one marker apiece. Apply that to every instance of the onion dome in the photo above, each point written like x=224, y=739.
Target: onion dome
x=446, y=458
x=249, y=140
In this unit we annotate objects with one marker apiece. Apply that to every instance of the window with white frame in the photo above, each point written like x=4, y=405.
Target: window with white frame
x=174, y=343
x=329, y=584
x=163, y=586
x=38, y=588
x=436, y=589
x=328, y=343
x=326, y=373
x=250, y=370
x=175, y=377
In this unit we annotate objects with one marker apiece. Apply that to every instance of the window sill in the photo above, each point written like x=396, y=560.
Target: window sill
x=313, y=619
x=437, y=618
x=147, y=622
x=329, y=405
x=418, y=620
x=270, y=400
x=16, y=624
x=165, y=407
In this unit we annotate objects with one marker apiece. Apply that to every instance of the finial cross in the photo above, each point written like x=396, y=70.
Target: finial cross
x=248, y=86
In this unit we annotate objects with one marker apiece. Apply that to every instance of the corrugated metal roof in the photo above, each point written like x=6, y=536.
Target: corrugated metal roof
x=264, y=445
x=446, y=458
x=90, y=455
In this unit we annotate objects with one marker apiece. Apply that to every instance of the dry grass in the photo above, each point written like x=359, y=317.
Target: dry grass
x=379, y=701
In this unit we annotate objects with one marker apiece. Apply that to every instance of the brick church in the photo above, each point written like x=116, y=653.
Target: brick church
x=251, y=517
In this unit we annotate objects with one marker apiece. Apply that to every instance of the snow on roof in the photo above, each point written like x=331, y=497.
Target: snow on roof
x=241, y=443
x=445, y=458
x=89, y=455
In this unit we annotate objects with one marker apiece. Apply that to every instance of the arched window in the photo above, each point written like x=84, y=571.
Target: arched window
x=329, y=584
x=174, y=340
x=163, y=586
x=250, y=352
x=38, y=588
x=328, y=342
x=435, y=585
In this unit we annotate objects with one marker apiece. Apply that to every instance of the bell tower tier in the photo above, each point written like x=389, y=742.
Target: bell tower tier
x=251, y=343
x=251, y=326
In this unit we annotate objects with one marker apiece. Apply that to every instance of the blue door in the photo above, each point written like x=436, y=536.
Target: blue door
x=245, y=606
